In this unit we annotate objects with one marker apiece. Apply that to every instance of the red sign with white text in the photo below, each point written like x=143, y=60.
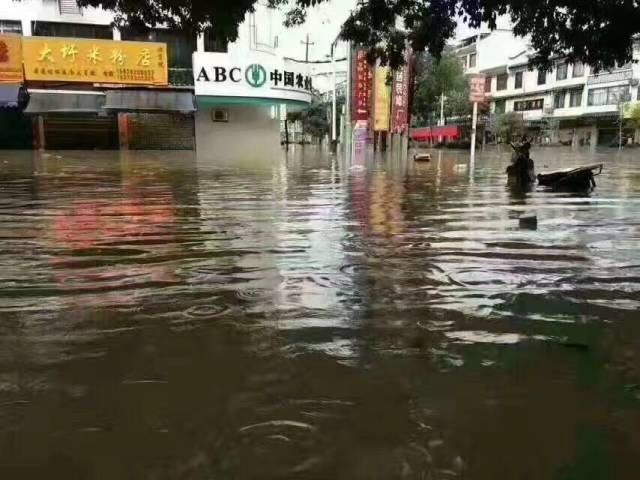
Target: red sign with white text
x=362, y=88
x=400, y=96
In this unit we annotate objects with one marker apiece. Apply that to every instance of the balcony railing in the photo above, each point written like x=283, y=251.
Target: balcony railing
x=616, y=76
x=181, y=77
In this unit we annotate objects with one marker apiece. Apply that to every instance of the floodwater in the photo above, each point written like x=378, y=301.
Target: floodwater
x=163, y=317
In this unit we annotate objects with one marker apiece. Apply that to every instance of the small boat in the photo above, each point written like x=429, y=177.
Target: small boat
x=580, y=178
x=422, y=157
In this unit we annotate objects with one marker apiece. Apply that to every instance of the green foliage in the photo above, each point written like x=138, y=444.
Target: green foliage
x=434, y=78
x=634, y=119
x=509, y=126
x=595, y=32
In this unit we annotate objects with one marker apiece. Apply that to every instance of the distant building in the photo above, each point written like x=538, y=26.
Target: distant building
x=568, y=104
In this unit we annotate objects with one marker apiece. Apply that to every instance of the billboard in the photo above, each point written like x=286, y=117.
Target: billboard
x=401, y=96
x=362, y=87
x=252, y=75
x=382, y=104
x=477, y=84
x=94, y=61
x=11, y=59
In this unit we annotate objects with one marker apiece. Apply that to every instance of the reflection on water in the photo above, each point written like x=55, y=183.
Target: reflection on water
x=167, y=317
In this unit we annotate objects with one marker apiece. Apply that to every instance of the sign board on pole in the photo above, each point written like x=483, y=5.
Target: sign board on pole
x=477, y=84
x=94, y=61
x=362, y=87
x=382, y=100
x=11, y=59
x=400, y=97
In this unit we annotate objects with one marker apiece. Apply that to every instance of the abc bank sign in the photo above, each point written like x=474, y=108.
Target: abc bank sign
x=268, y=78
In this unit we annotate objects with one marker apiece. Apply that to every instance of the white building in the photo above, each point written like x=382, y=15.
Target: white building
x=570, y=103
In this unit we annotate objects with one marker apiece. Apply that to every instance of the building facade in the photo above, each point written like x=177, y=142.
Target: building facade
x=570, y=104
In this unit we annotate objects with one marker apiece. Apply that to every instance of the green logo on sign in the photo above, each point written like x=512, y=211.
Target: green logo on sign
x=256, y=75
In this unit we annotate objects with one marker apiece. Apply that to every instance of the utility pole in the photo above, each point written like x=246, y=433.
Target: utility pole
x=307, y=43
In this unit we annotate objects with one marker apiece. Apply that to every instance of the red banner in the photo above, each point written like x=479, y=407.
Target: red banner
x=362, y=87
x=400, y=96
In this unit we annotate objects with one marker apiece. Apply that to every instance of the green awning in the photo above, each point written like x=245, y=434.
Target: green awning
x=207, y=101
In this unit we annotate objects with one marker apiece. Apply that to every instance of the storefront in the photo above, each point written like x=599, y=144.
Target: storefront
x=241, y=100
x=96, y=94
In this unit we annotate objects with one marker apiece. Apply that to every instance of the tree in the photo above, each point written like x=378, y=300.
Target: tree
x=509, y=125
x=596, y=32
x=634, y=118
x=435, y=78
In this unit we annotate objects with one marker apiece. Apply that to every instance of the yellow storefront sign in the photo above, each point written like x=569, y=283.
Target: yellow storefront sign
x=382, y=105
x=11, y=59
x=94, y=61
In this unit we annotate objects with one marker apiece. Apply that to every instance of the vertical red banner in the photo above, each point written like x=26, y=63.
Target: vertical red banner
x=401, y=96
x=362, y=87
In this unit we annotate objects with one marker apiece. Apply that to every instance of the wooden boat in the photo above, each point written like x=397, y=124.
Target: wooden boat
x=580, y=178
x=422, y=157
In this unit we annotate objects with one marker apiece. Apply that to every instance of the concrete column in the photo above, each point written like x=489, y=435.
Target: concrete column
x=594, y=136
x=123, y=130
x=574, y=139
x=200, y=42
x=39, y=140
x=26, y=27
x=117, y=35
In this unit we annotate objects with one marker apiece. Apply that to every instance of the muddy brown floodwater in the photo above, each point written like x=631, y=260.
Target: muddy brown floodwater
x=167, y=317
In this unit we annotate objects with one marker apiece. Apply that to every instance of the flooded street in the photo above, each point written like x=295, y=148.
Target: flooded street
x=165, y=317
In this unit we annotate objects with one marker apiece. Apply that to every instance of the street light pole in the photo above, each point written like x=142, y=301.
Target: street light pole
x=334, y=103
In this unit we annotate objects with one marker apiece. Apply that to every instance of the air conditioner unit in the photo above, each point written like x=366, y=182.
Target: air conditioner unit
x=220, y=115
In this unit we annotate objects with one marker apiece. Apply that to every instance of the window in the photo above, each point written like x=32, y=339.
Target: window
x=607, y=96
x=578, y=70
x=558, y=100
x=213, y=44
x=463, y=62
x=519, y=79
x=542, y=77
x=501, y=106
x=69, y=7
x=487, y=84
x=502, y=81
x=180, y=45
x=10, y=26
x=561, y=72
x=575, y=99
x=527, y=105
x=74, y=30
x=472, y=60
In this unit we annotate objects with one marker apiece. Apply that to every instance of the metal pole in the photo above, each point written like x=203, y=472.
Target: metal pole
x=474, y=126
x=442, y=109
x=347, y=128
x=334, y=120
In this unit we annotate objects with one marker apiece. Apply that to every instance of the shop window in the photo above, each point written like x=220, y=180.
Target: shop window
x=519, y=76
x=542, y=77
x=561, y=72
x=502, y=81
x=10, y=26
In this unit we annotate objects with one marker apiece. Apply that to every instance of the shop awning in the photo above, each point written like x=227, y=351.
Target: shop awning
x=150, y=101
x=64, y=102
x=9, y=95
